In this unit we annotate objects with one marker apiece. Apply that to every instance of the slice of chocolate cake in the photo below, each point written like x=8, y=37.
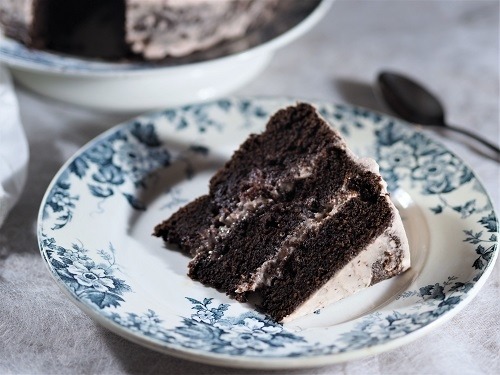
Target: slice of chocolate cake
x=293, y=219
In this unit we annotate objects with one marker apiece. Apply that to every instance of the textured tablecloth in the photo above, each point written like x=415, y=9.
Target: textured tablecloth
x=453, y=46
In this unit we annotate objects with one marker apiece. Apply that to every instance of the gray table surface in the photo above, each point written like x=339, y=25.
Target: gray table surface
x=452, y=46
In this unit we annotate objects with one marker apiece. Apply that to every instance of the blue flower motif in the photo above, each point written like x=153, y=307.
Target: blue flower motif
x=64, y=256
x=93, y=277
x=145, y=134
x=205, y=316
x=423, y=318
x=391, y=133
x=198, y=335
x=251, y=334
x=109, y=174
x=138, y=162
x=398, y=158
x=397, y=155
x=61, y=202
x=130, y=157
x=467, y=209
x=101, y=153
x=490, y=222
x=423, y=145
x=148, y=324
x=83, y=276
x=439, y=174
x=385, y=329
x=60, y=199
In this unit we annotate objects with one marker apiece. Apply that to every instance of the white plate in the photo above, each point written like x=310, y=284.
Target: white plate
x=96, y=220
x=144, y=86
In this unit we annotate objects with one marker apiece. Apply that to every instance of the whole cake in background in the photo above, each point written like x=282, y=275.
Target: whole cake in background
x=293, y=222
x=118, y=29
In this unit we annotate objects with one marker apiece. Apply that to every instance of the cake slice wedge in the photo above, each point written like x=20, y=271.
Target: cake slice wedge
x=294, y=220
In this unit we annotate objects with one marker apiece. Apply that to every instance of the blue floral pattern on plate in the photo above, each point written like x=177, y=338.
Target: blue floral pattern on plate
x=127, y=157
x=98, y=212
x=94, y=282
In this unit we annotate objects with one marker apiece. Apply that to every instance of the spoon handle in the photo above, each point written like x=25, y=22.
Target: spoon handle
x=475, y=136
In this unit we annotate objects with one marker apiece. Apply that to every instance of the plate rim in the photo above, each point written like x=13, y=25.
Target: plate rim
x=242, y=361
x=270, y=363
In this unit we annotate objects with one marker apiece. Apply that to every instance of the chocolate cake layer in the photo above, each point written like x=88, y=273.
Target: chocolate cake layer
x=241, y=186
x=89, y=28
x=314, y=262
x=179, y=228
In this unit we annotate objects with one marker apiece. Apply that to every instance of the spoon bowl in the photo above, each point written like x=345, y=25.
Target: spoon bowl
x=410, y=100
x=414, y=103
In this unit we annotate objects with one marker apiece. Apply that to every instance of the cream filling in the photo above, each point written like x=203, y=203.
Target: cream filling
x=244, y=208
x=266, y=272
x=358, y=273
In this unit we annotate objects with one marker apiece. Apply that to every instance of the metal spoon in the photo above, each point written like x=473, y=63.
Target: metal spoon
x=414, y=103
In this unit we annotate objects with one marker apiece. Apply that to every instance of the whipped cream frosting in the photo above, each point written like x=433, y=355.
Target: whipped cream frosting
x=359, y=273
x=270, y=268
